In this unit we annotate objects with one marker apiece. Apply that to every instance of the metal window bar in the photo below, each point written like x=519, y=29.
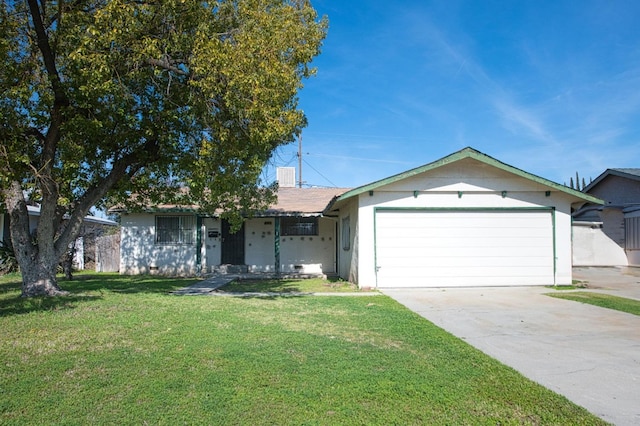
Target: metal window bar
x=175, y=229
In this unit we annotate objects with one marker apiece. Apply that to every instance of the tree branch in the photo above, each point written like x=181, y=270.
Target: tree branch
x=126, y=167
x=48, y=55
x=166, y=64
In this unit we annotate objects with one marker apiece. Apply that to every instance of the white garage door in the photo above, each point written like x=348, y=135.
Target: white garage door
x=464, y=248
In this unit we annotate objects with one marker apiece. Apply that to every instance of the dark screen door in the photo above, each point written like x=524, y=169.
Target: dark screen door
x=232, y=245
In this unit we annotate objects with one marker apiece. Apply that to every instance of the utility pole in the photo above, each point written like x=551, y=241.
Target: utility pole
x=300, y=160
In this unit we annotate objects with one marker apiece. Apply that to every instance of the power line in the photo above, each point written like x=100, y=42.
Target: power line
x=345, y=157
x=314, y=169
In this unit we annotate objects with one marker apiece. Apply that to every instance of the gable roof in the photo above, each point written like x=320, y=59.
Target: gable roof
x=468, y=152
x=629, y=173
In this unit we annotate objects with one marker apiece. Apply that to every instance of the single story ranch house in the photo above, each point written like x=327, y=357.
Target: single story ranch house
x=464, y=220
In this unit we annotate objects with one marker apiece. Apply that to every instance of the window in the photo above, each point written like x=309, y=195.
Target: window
x=299, y=226
x=175, y=229
x=346, y=234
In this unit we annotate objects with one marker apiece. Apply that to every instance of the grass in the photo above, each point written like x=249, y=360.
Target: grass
x=575, y=284
x=121, y=350
x=312, y=285
x=630, y=306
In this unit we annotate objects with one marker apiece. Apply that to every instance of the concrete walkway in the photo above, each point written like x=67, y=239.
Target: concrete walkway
x=589, y=354
x=206, y=286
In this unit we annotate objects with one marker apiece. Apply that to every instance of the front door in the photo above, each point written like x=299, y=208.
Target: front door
x=232, y=245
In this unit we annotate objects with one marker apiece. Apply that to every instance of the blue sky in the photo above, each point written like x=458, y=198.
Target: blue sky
x=551, y=87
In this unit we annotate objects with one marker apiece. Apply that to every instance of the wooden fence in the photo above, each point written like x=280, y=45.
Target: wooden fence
x=108, y=253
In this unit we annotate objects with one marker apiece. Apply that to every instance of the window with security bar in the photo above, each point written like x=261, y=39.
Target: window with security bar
x=291, y=226
x=175, y=229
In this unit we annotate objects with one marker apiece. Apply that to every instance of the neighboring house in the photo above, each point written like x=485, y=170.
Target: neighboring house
x=291, y=237
x=464, y=220
x=85, y=251
x=609, y=234
x=5, y=233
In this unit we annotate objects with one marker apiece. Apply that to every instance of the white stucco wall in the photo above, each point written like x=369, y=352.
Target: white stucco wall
x=310, y=254
x=481, y=186
x=211, y=245
x=593, y=247
x=139, y=254
x=259, y=242
x=347, y=259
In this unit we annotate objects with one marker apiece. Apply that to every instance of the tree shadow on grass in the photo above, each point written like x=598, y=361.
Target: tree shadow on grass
x=124, y=283
x=83, y=288
x=22, y=305
x=283, y=286
x=11, y=303
x=262, y=286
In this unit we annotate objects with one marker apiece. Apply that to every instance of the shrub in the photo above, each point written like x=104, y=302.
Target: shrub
x=8, y=262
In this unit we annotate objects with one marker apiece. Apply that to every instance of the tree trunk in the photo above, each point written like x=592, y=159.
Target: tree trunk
x=38, y=263
x=39, y=278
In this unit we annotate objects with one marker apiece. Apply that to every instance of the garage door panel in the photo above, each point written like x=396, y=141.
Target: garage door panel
x=440, y=249
x=465, y=252
x=461, y=234
x=462, y=280
x=461, y=245
x=474, y=272
x=472, y=262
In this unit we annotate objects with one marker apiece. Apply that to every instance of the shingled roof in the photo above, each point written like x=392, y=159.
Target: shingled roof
x=290, y=202
x=303, y=201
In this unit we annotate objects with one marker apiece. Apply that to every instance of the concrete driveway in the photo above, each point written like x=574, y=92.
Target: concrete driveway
x=589, y=354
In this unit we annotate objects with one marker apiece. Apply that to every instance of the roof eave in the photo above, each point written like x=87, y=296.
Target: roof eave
x=476, y=155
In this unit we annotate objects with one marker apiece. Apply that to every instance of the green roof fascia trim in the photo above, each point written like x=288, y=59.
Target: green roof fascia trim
x=468, y=152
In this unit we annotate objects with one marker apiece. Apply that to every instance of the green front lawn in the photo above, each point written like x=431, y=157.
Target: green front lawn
x=121, y=350
x=630, y=306
x=312, y=285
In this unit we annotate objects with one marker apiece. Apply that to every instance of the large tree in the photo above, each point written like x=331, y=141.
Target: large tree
x=102, y=99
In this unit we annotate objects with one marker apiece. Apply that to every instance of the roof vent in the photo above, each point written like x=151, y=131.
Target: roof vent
x=286, y=177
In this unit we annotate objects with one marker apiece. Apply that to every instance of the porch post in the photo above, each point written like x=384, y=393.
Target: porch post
x=276, y=241
x=198, y=244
